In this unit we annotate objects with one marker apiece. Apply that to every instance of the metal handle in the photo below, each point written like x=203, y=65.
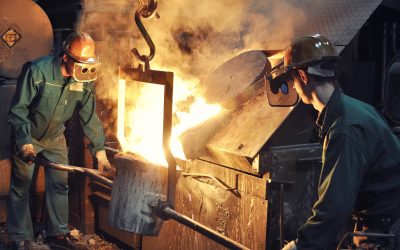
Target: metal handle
x=92, y=173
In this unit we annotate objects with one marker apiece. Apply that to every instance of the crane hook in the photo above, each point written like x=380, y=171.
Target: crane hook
x=147, y=11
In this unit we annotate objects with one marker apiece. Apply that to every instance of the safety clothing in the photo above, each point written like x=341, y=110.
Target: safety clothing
x=360, y=170
x=290, y=246
x=102, y=161
x=307, y=51
x=27, y=153
x=81, y=48
x=19, y=222
x=44, y=100
x=63, y=242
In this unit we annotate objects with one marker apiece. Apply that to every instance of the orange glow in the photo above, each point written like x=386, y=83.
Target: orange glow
x=140, y=118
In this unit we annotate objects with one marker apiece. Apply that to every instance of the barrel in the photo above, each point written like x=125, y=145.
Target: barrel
x=138, y=187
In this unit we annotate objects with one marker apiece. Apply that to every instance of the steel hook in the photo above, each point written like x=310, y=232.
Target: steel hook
x=146, y=11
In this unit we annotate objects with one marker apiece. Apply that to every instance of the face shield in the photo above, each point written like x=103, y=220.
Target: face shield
x=85, y=72
x=280, y=90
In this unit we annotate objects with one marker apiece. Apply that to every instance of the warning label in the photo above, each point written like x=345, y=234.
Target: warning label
x=10, y=37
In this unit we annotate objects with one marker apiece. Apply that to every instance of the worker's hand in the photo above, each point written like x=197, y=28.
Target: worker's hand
x=290, y=246
x=27, y=153
x=102, y=161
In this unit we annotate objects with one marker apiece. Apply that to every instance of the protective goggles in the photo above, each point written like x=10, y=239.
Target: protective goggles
x=84, y=72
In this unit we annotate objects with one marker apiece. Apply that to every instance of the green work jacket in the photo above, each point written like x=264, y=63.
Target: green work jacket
x=44, y=100
x=360, y=170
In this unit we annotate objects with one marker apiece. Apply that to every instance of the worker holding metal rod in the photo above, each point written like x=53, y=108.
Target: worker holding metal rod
x=49, y=90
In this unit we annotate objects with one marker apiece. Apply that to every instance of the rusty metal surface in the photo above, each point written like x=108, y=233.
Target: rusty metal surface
x=247, y=131
x=338, y=20
x=241, y=217
x=230, y=79
x=101, y=200
x=138, y=187
x=294, y=126
x=232, y=84
x=30, y=30
x=250, y=127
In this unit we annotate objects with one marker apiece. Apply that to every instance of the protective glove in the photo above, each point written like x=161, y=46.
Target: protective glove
x=102, y=161
x=27, y=153
x=290, y=246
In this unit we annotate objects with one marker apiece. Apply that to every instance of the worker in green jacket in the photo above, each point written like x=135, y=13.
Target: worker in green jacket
x=49, y=90
x=360, y=172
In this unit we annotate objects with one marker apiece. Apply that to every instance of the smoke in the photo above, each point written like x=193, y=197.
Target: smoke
x=195, y=37
x=192, y=38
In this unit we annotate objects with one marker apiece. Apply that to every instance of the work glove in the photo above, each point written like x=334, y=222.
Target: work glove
x=290, y=246
x=102, y=161
x=27, y=153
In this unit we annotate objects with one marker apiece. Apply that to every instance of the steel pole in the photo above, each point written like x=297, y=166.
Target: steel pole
x=168, y=212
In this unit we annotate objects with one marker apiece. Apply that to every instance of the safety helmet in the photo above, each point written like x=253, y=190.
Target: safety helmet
x=309, y=50
x=81, y=47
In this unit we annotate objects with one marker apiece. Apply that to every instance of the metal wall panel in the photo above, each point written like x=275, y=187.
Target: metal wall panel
x=340, y=20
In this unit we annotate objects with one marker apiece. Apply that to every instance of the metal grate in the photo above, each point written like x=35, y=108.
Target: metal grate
x=339, y=20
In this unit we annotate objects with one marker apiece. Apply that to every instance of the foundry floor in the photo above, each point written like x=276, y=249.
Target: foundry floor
x=88, y=241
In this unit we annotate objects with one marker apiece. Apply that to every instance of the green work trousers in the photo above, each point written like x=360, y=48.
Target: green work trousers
x=56, y=191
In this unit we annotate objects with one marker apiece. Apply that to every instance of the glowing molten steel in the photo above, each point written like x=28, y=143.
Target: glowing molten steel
x=140, y=125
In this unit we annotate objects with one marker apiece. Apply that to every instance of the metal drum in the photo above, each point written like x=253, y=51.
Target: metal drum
x=25, y=34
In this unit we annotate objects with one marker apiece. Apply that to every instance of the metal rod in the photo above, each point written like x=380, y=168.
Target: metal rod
x=376, y=235
x=200, y=228
x=363, y=234
x=281, y=217
x=167, y=127
x=92, y=173
x=113, y=150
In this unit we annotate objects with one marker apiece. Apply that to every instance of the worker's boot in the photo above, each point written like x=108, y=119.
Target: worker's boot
x=62, y=242
x=28, y=245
